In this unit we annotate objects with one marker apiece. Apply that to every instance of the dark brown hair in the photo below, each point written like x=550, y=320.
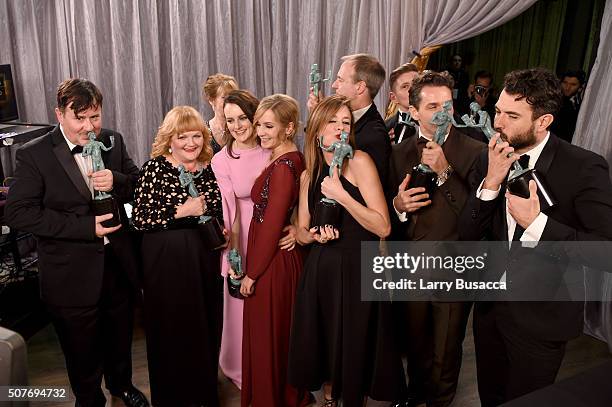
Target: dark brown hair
x=248, y=103
x=428, y=78
x=538, y=86
x=82, y=93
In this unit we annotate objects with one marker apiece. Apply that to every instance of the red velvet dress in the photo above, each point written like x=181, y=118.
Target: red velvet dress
x=268, y=312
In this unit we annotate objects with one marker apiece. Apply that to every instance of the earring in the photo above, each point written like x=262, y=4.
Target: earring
x=170, y=150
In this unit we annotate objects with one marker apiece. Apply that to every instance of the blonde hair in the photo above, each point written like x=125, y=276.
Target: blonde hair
x=284, y=107
x=319, y=118
x=179, y=120
x=216, y=82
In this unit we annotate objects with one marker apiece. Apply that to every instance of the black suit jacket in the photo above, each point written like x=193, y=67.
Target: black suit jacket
x=391, y=123
x=371, y=136
x=579, y=181
x=437, y=221
x=50, y=199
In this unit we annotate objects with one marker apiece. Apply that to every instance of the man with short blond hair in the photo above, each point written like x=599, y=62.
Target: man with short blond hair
x=400, y=82
x=359, y=79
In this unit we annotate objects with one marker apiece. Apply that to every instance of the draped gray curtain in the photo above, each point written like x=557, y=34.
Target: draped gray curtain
x=594, y=132
x=445, y=22
x=150, y=55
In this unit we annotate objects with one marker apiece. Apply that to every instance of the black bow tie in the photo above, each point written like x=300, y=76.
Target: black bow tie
x=76, y=150
x=524, y=161
x=403, y=116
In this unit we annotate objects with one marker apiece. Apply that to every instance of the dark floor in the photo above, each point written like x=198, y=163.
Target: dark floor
x=46, y=367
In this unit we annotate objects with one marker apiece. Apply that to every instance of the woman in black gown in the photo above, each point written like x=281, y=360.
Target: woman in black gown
x=338, y=341
x=182, y=282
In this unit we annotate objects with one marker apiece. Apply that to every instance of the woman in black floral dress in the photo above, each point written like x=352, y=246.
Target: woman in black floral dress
x=182, y=282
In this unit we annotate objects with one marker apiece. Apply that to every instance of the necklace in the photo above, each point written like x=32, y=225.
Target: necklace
x=218, y=133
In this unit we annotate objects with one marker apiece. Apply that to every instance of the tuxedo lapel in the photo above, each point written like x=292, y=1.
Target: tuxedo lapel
x=547, y=156
x=544, y=162
x=65, y=158
x=412, y=153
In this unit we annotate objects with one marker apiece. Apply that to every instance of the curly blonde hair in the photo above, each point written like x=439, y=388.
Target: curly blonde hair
x=179, y=120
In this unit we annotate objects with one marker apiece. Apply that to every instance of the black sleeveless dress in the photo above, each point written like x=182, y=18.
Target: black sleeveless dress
x=335, y=336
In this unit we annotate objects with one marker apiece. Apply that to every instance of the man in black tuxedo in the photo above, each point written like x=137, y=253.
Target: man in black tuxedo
x=520, y=345
x=434, y=329
x=400, y=81
x=88, y=272
x=359, y=79
x=572, y=87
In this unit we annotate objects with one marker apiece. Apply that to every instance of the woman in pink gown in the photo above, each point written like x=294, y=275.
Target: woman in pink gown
x=236, y=167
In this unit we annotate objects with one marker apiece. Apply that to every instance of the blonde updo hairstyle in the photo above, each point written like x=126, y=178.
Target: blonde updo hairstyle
x=216, y=83
x=179, y=120
x=284, y=107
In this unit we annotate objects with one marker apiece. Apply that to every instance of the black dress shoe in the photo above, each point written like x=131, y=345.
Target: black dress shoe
x=133, y=397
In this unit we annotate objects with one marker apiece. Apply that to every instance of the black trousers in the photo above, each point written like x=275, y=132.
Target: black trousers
x=510, y=362
x=435, y=333
x=96, y=340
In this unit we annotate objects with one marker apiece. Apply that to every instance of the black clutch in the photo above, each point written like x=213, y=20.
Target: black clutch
x=233, y=287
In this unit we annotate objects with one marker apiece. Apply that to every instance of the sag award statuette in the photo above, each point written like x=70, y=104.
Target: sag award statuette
x=327, y=211
x=233, y=284
x=518, y=182
x=315, y=79
x=209, y=226
x=422, y=175
x=102, y=202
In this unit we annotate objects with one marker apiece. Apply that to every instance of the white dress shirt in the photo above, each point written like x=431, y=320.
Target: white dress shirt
x=400, y=137
x=357, y=114
x=533, y=232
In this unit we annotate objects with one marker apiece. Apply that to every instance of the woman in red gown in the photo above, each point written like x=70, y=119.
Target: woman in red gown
x=272, y=273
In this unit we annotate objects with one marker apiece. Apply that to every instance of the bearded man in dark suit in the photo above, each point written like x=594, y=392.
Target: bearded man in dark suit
x=88, y=272
x=520, y=344
x=435, y=329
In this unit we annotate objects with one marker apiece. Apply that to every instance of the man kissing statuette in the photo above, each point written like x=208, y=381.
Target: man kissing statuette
x=423, y=175
x=518, y=182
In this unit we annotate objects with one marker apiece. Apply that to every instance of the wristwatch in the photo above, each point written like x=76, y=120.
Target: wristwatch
x=444, y=175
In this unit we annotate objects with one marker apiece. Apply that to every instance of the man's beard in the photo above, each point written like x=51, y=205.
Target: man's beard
x=521, y=141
